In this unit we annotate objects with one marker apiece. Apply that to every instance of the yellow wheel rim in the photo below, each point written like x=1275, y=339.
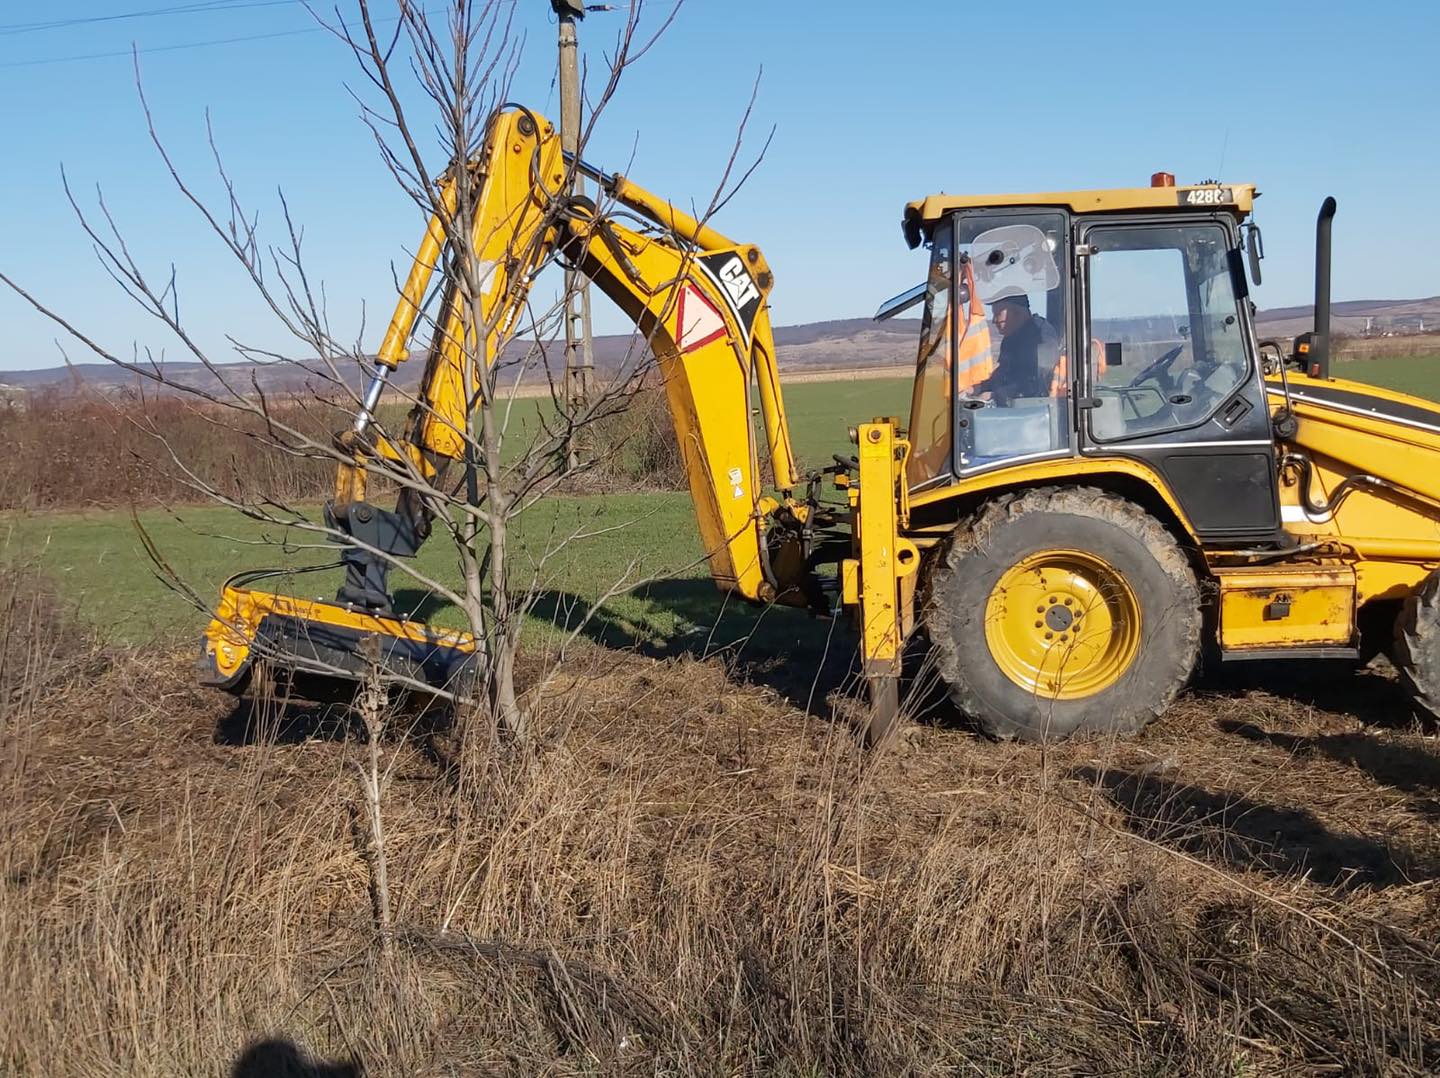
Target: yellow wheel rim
x=1063, y=624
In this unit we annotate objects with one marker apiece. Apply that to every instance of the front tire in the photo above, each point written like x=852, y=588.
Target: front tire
x=1063, y=610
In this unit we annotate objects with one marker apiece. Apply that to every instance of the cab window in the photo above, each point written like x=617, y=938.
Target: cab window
x=930, y=425
x=1012, y=366
x=1167, y=347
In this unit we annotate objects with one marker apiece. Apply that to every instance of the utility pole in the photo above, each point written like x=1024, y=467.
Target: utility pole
x=579, y=357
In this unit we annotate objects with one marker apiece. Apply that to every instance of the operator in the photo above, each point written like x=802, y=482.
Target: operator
x=1029, y=352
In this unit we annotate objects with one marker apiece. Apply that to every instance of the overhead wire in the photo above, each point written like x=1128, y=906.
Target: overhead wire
x=204, y=7
x=182, y=46
x=157, y=48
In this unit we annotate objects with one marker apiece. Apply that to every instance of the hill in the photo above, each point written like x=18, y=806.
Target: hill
x=838, y=344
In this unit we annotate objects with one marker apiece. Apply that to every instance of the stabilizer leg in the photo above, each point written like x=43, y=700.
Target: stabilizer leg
x=883, y=716
x=885, y=560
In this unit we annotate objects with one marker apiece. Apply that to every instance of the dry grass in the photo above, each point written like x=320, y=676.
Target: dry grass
x=64, y=450
x=68, y=451
x=633, y=448
x=1358, y=348
x=699, y=878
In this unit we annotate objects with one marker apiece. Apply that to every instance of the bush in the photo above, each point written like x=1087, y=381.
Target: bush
x=63, y=451
x=634, y=447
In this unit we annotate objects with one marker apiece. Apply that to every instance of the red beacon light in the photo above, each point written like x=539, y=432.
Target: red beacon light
x=1162, y=179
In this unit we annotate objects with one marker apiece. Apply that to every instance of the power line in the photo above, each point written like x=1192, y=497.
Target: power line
x=203, y=8
x=192, y=44
x=159, y=48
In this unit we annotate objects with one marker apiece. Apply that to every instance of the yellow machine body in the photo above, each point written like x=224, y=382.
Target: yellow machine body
x=1264, y=608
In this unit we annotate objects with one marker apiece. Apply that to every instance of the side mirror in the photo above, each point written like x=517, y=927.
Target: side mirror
x=1255, y=250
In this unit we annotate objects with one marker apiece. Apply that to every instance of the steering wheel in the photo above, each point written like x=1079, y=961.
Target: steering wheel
x=1159, y=366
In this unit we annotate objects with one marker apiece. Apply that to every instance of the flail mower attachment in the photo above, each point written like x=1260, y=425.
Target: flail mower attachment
x=323, y=646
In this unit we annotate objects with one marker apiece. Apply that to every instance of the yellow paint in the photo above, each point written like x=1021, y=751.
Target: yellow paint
x=1110, y=200
x=1264, y=607
x=850, y=581
x=1389, y=534
x=1063, y=624
x=884, y=558
x=229, y=636
x=1060, y=471
x=708, y=391
x=665, y=213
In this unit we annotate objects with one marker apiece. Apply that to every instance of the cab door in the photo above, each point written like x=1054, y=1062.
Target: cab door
x=1171, y=371
x=1012, y=370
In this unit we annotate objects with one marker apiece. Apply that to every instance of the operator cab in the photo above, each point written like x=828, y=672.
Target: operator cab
x=1095, y=324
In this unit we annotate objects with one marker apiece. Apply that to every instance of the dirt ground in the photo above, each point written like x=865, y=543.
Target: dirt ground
x=694, y=875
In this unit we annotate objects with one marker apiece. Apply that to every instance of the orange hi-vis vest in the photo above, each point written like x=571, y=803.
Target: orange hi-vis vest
x=975, y=359
x=1060, y=379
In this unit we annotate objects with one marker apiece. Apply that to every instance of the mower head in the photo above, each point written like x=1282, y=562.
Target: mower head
x=327, y=644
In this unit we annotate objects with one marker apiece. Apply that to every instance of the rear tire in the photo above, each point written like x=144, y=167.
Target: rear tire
x=1059, y=611
x=1417, y=647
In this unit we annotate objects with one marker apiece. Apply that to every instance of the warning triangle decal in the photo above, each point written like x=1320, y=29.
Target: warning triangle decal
x=697, y=322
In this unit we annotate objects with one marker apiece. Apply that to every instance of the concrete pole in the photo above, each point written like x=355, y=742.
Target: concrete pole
x=579, y=356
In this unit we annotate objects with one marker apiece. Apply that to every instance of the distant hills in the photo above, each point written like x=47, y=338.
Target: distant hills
x=842, y=344
x=1356, y=316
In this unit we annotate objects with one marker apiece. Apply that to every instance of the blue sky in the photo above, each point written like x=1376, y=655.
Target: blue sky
x=872, y=104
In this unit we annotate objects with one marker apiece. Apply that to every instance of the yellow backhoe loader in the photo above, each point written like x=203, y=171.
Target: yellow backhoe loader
x=1104, y=470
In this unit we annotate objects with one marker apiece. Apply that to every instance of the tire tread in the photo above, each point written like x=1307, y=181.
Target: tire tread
x=971, y=540
x=1417, y=646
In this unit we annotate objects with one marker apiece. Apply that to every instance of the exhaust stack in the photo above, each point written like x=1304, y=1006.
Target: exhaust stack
x=1320, y=338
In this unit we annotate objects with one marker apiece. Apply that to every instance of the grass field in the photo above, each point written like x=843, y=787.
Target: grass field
x=97, y=557
x=98, y=560
x=1417, y=375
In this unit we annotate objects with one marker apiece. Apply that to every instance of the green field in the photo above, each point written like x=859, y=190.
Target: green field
x=819, y=413
x=1418, y=375
x=98, y=560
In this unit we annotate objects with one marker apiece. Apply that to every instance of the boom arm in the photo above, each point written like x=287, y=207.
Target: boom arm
x=697, y=297
x=700, y=300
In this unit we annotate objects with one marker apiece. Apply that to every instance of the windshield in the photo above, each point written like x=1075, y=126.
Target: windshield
x=993, y=380
x=930, y=427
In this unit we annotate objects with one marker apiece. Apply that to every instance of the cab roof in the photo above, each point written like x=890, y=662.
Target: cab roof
x=1236, y=198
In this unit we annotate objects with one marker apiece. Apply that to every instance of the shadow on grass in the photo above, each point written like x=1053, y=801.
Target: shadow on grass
x=262, y=721
x=1237, y=832
x=417, y=604
x=801, y=657
x=280, y=1058
x=1330, y=685
x=321, y=709
x=1404, y=767
x=805, y=659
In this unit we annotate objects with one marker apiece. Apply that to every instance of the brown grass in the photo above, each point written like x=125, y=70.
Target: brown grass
x=698, y=878
x=633, y=448
x=1357, y=348
x=69, y=451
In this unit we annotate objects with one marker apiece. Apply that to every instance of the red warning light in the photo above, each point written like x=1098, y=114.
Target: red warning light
x=1162, y=179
